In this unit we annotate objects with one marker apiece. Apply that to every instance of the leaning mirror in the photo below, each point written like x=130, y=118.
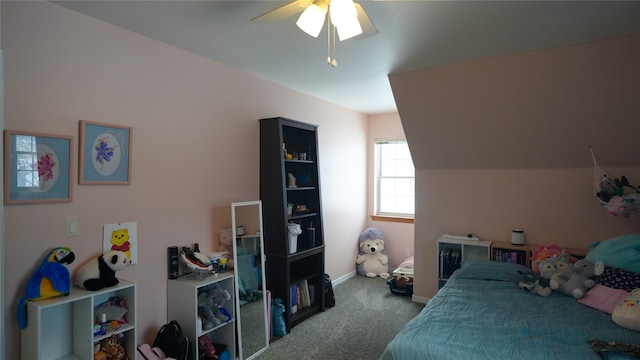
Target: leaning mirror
x=248, y=259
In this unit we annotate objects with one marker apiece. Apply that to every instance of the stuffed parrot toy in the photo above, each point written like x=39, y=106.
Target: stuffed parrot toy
x=52, y=278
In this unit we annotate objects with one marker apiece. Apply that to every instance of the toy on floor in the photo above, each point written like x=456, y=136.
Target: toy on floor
x=52, y=278
x=100, y=272
x=372, y=260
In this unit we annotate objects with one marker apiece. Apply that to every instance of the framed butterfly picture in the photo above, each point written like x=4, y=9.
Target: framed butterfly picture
x=105, y=154
x=37, y=167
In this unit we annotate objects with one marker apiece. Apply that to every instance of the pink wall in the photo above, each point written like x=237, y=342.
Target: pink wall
x=195, y=148
x=504, y=142
x=399, y=236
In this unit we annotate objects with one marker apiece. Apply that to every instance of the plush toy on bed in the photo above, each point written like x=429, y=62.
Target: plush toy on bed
x=555, y=268
x=372, y=260
x=210, y=310
x=100, y=272
x=532, y=282
x=548, y=251
x=581, y=278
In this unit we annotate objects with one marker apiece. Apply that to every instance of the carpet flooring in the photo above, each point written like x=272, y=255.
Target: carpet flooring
x=365, y=319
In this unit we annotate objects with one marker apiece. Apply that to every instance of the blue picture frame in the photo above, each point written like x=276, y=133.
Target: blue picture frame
x=105, y=153
x=37, y=167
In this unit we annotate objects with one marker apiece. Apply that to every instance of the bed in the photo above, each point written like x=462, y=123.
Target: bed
x=481, y=313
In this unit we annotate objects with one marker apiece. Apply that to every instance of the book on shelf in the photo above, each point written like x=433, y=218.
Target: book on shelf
x=312, y=294
x=306, y=301
x=512, y=256
x=293, y=299
x=302, y=295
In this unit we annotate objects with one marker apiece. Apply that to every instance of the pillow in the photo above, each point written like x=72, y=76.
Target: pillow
x=621, y=252
x=547, y=251
x=627, y=313
x=619, y=279
x=490, y=270
x=407, y=263
x=603, y=298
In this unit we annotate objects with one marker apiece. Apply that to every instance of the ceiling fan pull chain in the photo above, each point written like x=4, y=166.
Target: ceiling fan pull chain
x=334, y=63
x=329, y=39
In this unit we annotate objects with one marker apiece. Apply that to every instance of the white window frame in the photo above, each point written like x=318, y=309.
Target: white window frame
x=379, y=177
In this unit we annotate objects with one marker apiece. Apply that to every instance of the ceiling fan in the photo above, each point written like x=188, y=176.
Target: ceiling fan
x=348, y=17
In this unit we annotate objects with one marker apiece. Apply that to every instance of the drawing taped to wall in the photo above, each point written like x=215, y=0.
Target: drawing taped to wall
x=122, y=237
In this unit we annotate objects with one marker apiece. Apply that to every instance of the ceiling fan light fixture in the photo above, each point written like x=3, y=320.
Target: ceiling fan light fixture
x=349, y=30
x=342, y=11
x=344, y=17
x=312, y=18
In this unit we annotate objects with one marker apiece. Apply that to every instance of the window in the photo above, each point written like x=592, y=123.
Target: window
x=27, y=162
x=395, y=179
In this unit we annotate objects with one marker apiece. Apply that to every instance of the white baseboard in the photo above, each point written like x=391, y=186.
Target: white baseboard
x=420, y=299
x=343, y=278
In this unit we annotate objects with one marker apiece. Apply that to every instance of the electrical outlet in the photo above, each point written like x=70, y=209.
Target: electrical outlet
x=73, y=226
x=407, y=253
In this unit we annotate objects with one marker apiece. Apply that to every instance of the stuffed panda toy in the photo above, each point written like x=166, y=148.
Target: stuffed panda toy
x=101, y=271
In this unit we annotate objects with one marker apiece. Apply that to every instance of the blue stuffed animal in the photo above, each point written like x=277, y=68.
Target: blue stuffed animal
x=52, y=278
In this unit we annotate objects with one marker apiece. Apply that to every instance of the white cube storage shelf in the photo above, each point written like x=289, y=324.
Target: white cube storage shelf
x=61, y=328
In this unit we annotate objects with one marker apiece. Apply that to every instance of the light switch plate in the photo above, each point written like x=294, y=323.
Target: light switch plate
x=73, y=226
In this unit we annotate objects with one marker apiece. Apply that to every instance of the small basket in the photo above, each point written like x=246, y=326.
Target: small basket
x=200, y=272
x=406, y=290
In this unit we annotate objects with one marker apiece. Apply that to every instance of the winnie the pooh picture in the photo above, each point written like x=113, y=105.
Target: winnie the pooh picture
x=121, y=237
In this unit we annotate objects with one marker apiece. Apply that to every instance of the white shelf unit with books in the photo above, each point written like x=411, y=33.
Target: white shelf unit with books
x=63, y=327
x=182, y=306
x=453, y=251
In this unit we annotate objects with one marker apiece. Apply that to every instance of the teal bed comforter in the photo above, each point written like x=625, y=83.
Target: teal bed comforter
x=482, y=314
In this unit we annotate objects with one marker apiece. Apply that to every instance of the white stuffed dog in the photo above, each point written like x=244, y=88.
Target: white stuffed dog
x=372, y=260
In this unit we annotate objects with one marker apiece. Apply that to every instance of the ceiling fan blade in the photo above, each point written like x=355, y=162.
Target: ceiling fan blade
x=282, y=12
x=368, y=29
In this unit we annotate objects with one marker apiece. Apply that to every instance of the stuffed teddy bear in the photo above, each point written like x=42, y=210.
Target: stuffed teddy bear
x=580, y=281
x=100, y=272
x=210, y=310
x=532, y=282
x=372, y=260
x=226, y=245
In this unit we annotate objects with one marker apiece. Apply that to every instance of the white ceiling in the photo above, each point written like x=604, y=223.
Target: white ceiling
x=412, y=35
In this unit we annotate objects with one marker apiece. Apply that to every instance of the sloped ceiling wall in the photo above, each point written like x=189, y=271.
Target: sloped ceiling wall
x=532, y=110
x=502, y=143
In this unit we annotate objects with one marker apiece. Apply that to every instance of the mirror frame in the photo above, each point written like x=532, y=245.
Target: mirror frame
x=267, y=324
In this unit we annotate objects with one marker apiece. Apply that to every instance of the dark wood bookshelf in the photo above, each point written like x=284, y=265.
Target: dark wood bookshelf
x=287, y=269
